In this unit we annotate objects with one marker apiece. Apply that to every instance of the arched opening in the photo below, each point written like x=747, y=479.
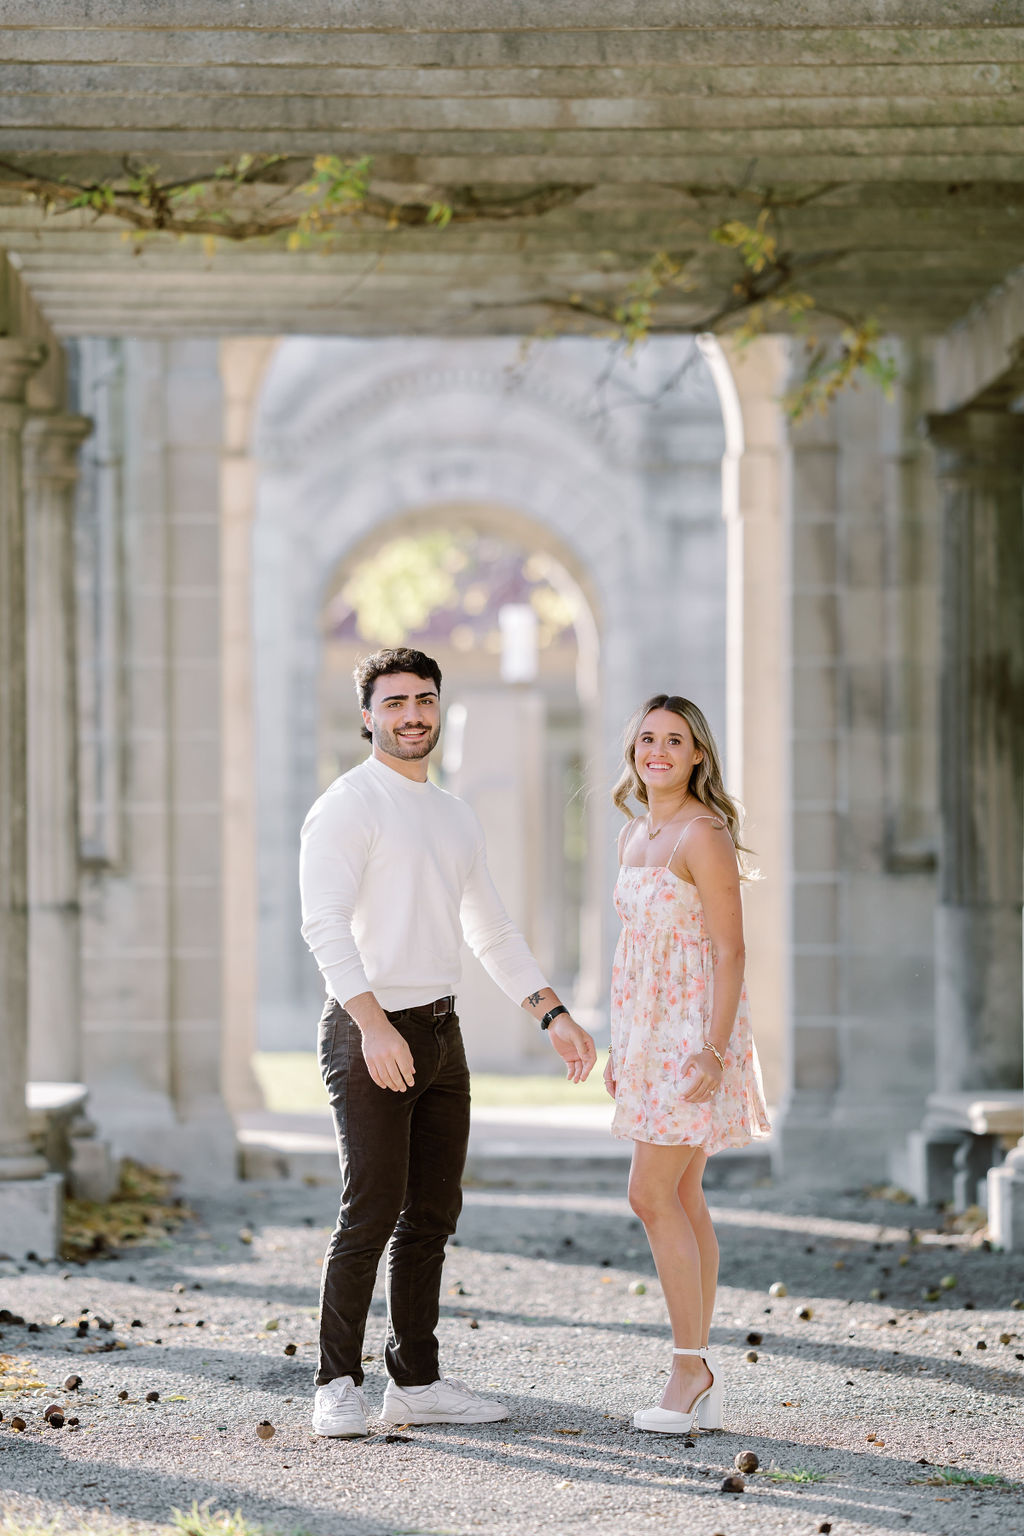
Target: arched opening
x=356, y=444
x=486, y=593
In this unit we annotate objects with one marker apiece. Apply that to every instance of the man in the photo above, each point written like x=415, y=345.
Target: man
x=393, y=873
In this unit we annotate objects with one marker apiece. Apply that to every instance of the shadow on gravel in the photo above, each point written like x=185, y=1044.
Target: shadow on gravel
x=859, y=1487
x=758, y=1248
x=1000, y=1375
x=851, y=1358
x=145, y=1493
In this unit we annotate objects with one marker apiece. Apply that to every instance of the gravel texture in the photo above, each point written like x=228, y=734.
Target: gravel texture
x=864, y=1400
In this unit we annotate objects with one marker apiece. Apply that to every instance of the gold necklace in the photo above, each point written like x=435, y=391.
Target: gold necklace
x=653, y=831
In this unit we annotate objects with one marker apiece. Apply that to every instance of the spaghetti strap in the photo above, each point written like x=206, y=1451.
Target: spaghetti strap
x=689, y=824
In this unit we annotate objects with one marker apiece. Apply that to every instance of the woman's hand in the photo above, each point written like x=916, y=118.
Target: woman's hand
x=706, y=1073
x=609, y=1076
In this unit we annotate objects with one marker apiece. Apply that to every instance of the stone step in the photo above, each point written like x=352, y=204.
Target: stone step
x=528, y=1148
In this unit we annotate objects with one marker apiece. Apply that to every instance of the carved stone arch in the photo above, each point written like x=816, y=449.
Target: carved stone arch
x=360, y=381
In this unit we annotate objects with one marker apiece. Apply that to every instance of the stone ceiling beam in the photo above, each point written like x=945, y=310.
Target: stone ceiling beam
x=329, y=318
x=314, y=99
x=981, y=359
x=730, y=49
x=516, y=15
x=524, y=164
x=34, y=71
x=905, y=126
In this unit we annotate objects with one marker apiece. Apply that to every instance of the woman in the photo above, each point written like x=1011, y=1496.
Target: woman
x=682, y=1068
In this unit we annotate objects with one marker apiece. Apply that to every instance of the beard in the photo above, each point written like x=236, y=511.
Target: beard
x=396, y=746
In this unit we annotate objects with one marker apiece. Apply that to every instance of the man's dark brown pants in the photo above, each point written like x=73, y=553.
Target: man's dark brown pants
x=402, y=1157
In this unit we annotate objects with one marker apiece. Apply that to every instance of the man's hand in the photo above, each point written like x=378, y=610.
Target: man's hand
x=574, y=1046
x=388, y=1057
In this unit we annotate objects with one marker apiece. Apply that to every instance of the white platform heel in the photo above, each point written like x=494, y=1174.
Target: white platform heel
x=667, y=1421
x=712, y=1403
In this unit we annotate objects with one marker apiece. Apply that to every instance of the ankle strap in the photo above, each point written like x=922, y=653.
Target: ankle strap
x=689, y=1351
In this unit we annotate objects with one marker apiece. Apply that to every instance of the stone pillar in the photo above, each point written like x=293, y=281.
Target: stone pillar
x=505, y=786
x=243, y=362
x=51, y=445
x=978, y=925
x=55, y=1046
x=754, y=492
x=979, y=994
x=807, y=1148
x=29, y=1198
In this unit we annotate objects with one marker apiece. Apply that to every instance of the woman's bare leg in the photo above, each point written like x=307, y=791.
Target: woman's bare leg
x=691, y=1197
x=654, y=1194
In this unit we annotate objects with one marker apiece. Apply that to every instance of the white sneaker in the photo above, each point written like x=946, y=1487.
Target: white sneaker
x=443, y=1402
x=339, y=1410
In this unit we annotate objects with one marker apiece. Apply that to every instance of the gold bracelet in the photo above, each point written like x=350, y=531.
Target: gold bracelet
x=716, y=1054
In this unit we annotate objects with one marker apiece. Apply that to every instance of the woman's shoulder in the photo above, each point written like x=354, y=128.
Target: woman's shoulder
x=703, y=837
x=624, y=836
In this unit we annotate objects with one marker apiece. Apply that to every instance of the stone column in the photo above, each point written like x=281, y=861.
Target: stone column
x=55, y=1047
x=505, y=787
x=754, y=496
x=979, y=993
x=809, y=1146
x=243, y=364
x=978, y=929
x=29, y=1198
x=55, y=1065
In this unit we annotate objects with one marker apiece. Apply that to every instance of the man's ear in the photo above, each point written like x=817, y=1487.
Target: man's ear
x=367, y=719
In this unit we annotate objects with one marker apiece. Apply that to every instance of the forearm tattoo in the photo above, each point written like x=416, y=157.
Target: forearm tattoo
x=534, y=998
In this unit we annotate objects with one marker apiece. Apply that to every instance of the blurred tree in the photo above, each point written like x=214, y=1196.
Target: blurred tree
x=395, y=591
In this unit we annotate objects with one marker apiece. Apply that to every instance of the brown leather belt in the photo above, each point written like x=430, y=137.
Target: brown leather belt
x=440, y=1008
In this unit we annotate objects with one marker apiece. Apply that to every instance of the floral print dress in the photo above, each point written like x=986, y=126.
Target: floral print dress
x=662, y=993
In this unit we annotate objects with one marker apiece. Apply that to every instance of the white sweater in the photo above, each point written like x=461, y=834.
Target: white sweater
x=393, y=872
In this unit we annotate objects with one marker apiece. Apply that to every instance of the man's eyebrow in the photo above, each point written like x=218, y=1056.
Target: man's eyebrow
x=429, y=693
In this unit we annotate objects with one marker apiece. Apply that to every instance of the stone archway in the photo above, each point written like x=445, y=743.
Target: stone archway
x=353, y=437
x=287, y=660
x=527, y=756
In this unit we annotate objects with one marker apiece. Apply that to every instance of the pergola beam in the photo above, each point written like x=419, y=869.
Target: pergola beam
x=892, y=145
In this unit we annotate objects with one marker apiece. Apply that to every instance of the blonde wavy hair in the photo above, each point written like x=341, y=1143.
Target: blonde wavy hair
x=705, y=784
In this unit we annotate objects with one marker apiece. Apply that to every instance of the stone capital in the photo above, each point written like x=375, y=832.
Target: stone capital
x=984, y=447
x=19, y=360
x=51, y=443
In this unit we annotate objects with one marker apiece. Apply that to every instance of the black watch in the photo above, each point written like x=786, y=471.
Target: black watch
x=552, y=1014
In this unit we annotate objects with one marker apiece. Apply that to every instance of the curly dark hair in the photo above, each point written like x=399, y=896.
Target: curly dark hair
x=384, y=664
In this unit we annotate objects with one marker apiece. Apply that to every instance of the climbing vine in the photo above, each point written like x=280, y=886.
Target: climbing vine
x=258, y=196
x=272, y=197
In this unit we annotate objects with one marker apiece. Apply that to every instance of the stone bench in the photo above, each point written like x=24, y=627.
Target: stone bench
x=963, y=1136
x=62, y=1132
x=991, y=1113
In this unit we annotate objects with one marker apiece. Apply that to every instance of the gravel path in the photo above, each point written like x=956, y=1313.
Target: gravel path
x=863, y=1400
